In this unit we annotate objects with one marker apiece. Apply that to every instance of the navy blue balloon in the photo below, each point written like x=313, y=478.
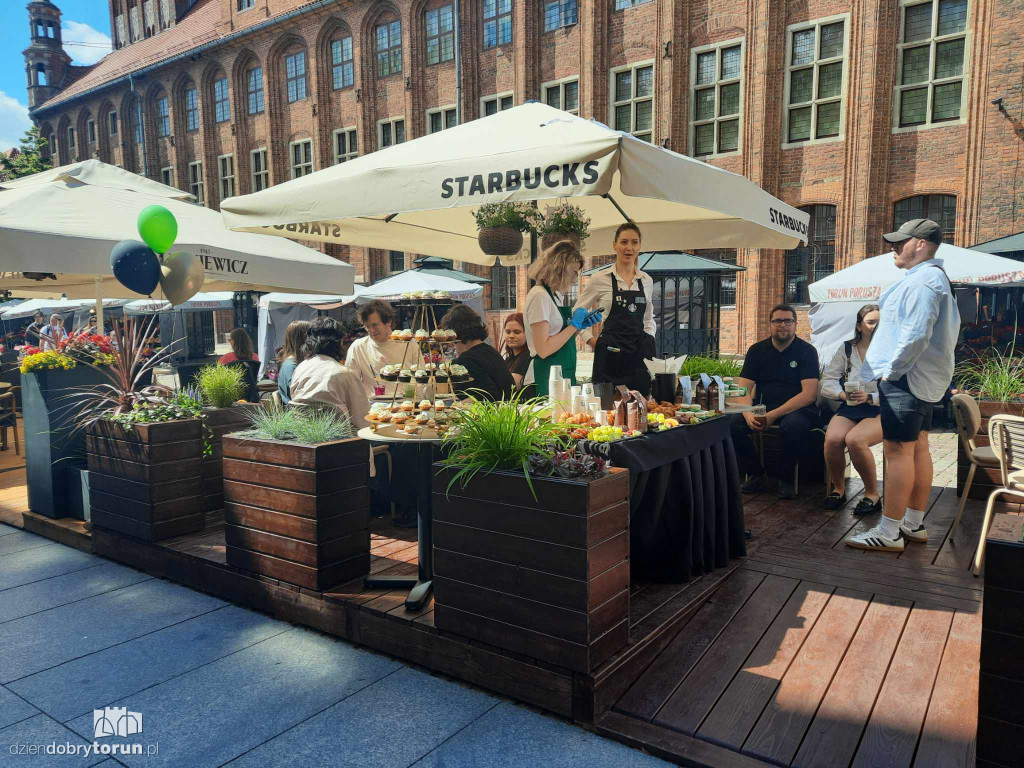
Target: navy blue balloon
x=135, y=266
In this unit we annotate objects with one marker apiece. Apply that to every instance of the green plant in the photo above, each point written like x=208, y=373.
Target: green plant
x=993, y=376
x=220, y=385
x=501, y=435
x=523, y=217
x=304, y=425
x=712, y=366
x=565, y=219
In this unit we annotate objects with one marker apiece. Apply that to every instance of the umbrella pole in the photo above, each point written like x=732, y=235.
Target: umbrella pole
x=98, y=282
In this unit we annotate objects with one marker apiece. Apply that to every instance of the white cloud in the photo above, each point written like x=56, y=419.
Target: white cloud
x=13, y=121
x=98, y=44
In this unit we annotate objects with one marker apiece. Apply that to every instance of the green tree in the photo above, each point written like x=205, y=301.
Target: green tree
x=30, y=158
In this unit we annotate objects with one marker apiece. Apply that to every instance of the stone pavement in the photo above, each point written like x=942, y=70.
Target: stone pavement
x=218, y=684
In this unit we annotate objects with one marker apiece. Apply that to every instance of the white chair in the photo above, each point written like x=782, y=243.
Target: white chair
x=1007, y=433
x=968, y=424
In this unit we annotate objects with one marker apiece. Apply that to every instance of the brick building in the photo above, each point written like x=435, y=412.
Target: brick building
x=865, y=113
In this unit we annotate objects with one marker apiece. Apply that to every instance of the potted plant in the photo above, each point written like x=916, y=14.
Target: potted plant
x=531, y=543
x=221, y=387
x=296, y=504
x=564, y=222
x=501, y=226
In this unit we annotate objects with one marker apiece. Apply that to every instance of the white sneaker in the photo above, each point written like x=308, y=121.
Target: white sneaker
x=875, y=539
x=919, y=534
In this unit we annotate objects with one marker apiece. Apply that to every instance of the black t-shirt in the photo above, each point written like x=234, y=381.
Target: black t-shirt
x=778, y=374
x=520, y=363
x=488, y=370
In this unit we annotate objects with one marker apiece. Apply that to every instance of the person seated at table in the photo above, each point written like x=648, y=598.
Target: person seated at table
x=241, y=348
x=290, y=356
x=517, y=353
x=370, y=353
x=780, y=372
x=53, y=333
x=322, y=379
x=490, y=376
x=857, y=424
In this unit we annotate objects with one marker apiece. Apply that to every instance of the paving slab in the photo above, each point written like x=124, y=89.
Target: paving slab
x=43, y=640
x=224, y=709
x=99, y=679
x=7, y=530
x=68, y=588
x=13, y=708
x=40, y=732
x=511, y=736
x=389, y=724
x=19, y=541
x=42, y=563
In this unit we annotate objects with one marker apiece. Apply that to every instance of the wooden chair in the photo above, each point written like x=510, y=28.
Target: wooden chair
x=1007, y=433
x=9, y=418
x=968, y=423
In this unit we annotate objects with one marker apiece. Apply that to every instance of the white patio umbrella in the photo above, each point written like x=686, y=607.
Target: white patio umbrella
x=419, y=196
x=60, y=229
x=201, y=301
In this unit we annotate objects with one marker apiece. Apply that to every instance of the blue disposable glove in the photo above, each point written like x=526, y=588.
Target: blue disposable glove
x=578, y=318
x=593, y=320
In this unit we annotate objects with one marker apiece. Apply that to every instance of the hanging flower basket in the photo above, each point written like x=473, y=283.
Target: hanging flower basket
x=564, y=222
x=550, y=238
x=500, y=241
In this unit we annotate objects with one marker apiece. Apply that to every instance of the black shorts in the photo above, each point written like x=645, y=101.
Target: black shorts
x=904, y=417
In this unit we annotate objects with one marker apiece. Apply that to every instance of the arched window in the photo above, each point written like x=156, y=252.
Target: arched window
x=810, y=263
x=389, y=48
x=343, y=73
x=40, y=74
x=440, y=24
x=939, y=208
x=254, y=90
x=295, y=75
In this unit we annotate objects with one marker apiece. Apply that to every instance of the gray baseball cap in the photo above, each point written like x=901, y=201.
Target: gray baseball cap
x=926, y=229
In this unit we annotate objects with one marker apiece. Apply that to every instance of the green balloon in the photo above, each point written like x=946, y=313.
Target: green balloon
x=158, y=228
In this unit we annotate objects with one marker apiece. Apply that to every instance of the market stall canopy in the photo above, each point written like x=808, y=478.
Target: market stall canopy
x=419, y=196
x=434, y=265
x=315, y=300
x=95, y=173
x=201, y=301
x=412, y=280
x=277, y=310
x=1003, y=246
x=49, y=306
x=676, y=261
x=60, y=232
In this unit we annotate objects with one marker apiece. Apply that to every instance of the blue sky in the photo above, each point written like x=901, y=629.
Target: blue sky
x=86, y=21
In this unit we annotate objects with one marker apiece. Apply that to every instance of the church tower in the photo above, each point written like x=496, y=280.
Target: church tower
x=46, y=63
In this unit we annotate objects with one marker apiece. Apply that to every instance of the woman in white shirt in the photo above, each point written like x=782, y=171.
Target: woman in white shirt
x=856, y=425
x=550, y=325
x=626, y=337
x=321, y=380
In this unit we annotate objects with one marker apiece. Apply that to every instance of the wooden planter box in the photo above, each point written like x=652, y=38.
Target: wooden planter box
x=985, y=480
x=548, y=578
x=297, y=513
x=1001, y=681
x=220, y=421
x=145, y=481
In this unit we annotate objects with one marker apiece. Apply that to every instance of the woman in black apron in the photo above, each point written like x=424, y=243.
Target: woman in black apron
x=623, y=343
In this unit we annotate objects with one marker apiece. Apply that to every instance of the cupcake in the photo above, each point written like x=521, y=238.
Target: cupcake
x=459, y=373
x=408, y=406
x=385, y=417
x=406, y=335
x=442, y=375
x=405, y=375
x=390, y=372
x=439, y=405
x=396, y=335
x=439, y=334
x=424, y=405
x=373, y=417
x=400, y=418
x=422, y=375
x=441, y=428
x=412, y=429
x=422, y=417
x=421, y=335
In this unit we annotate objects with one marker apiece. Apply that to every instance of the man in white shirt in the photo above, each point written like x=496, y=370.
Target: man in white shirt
x=372, y=352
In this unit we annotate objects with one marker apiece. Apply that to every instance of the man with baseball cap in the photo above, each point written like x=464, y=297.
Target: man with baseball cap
x=912, y=356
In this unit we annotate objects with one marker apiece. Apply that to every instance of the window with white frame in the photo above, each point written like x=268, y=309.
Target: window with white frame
x=163, y=117
x=259, y=169
x=91, y=127
x=440, y=23
x=396, y=261
x=932, y=53
x=717, y=96
x=441, y=118
x=343, y=73
x=560, y=13
x=295, y=75
x=71, y=138
x=815, y=64
x=112, y=119
x=301, y=154
x=389, y=48
x=492, y=105
x=226, y=166
x=633, y=100
x=390, y=132
x=221, y=100
x=195, y=181
x=345, y=145
x=254, y=90
x=564, y=94
x=167, y=176
x=497, y=22
x=191, y=109
x=621, y=5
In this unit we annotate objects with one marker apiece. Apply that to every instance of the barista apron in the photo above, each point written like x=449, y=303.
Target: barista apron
x=565, y=357
x=623, y=344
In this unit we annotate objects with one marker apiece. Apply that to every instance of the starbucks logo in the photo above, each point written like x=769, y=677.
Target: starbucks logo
x=792, y=363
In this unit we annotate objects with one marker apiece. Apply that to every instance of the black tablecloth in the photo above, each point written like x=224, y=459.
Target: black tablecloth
x=686, y=510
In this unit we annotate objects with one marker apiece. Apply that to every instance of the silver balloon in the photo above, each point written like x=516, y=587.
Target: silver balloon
x=181, y=276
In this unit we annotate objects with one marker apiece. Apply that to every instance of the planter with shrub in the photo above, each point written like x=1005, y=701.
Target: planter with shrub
x=531, y=541
x=220, y=387
x=564, y=222
x=501, y=226
x=296, y=503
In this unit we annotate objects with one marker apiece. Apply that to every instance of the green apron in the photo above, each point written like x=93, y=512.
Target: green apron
x=565, y=357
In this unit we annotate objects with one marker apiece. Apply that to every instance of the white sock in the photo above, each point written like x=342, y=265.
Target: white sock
x=913, y=517
x=890, y=528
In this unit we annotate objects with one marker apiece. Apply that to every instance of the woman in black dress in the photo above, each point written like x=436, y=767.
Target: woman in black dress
x=490, y=376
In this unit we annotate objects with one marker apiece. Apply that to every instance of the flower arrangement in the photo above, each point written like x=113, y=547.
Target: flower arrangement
x=50, y=360
x=522, y=217
x=567, y=464
x=565, y=220
x=88, y=348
